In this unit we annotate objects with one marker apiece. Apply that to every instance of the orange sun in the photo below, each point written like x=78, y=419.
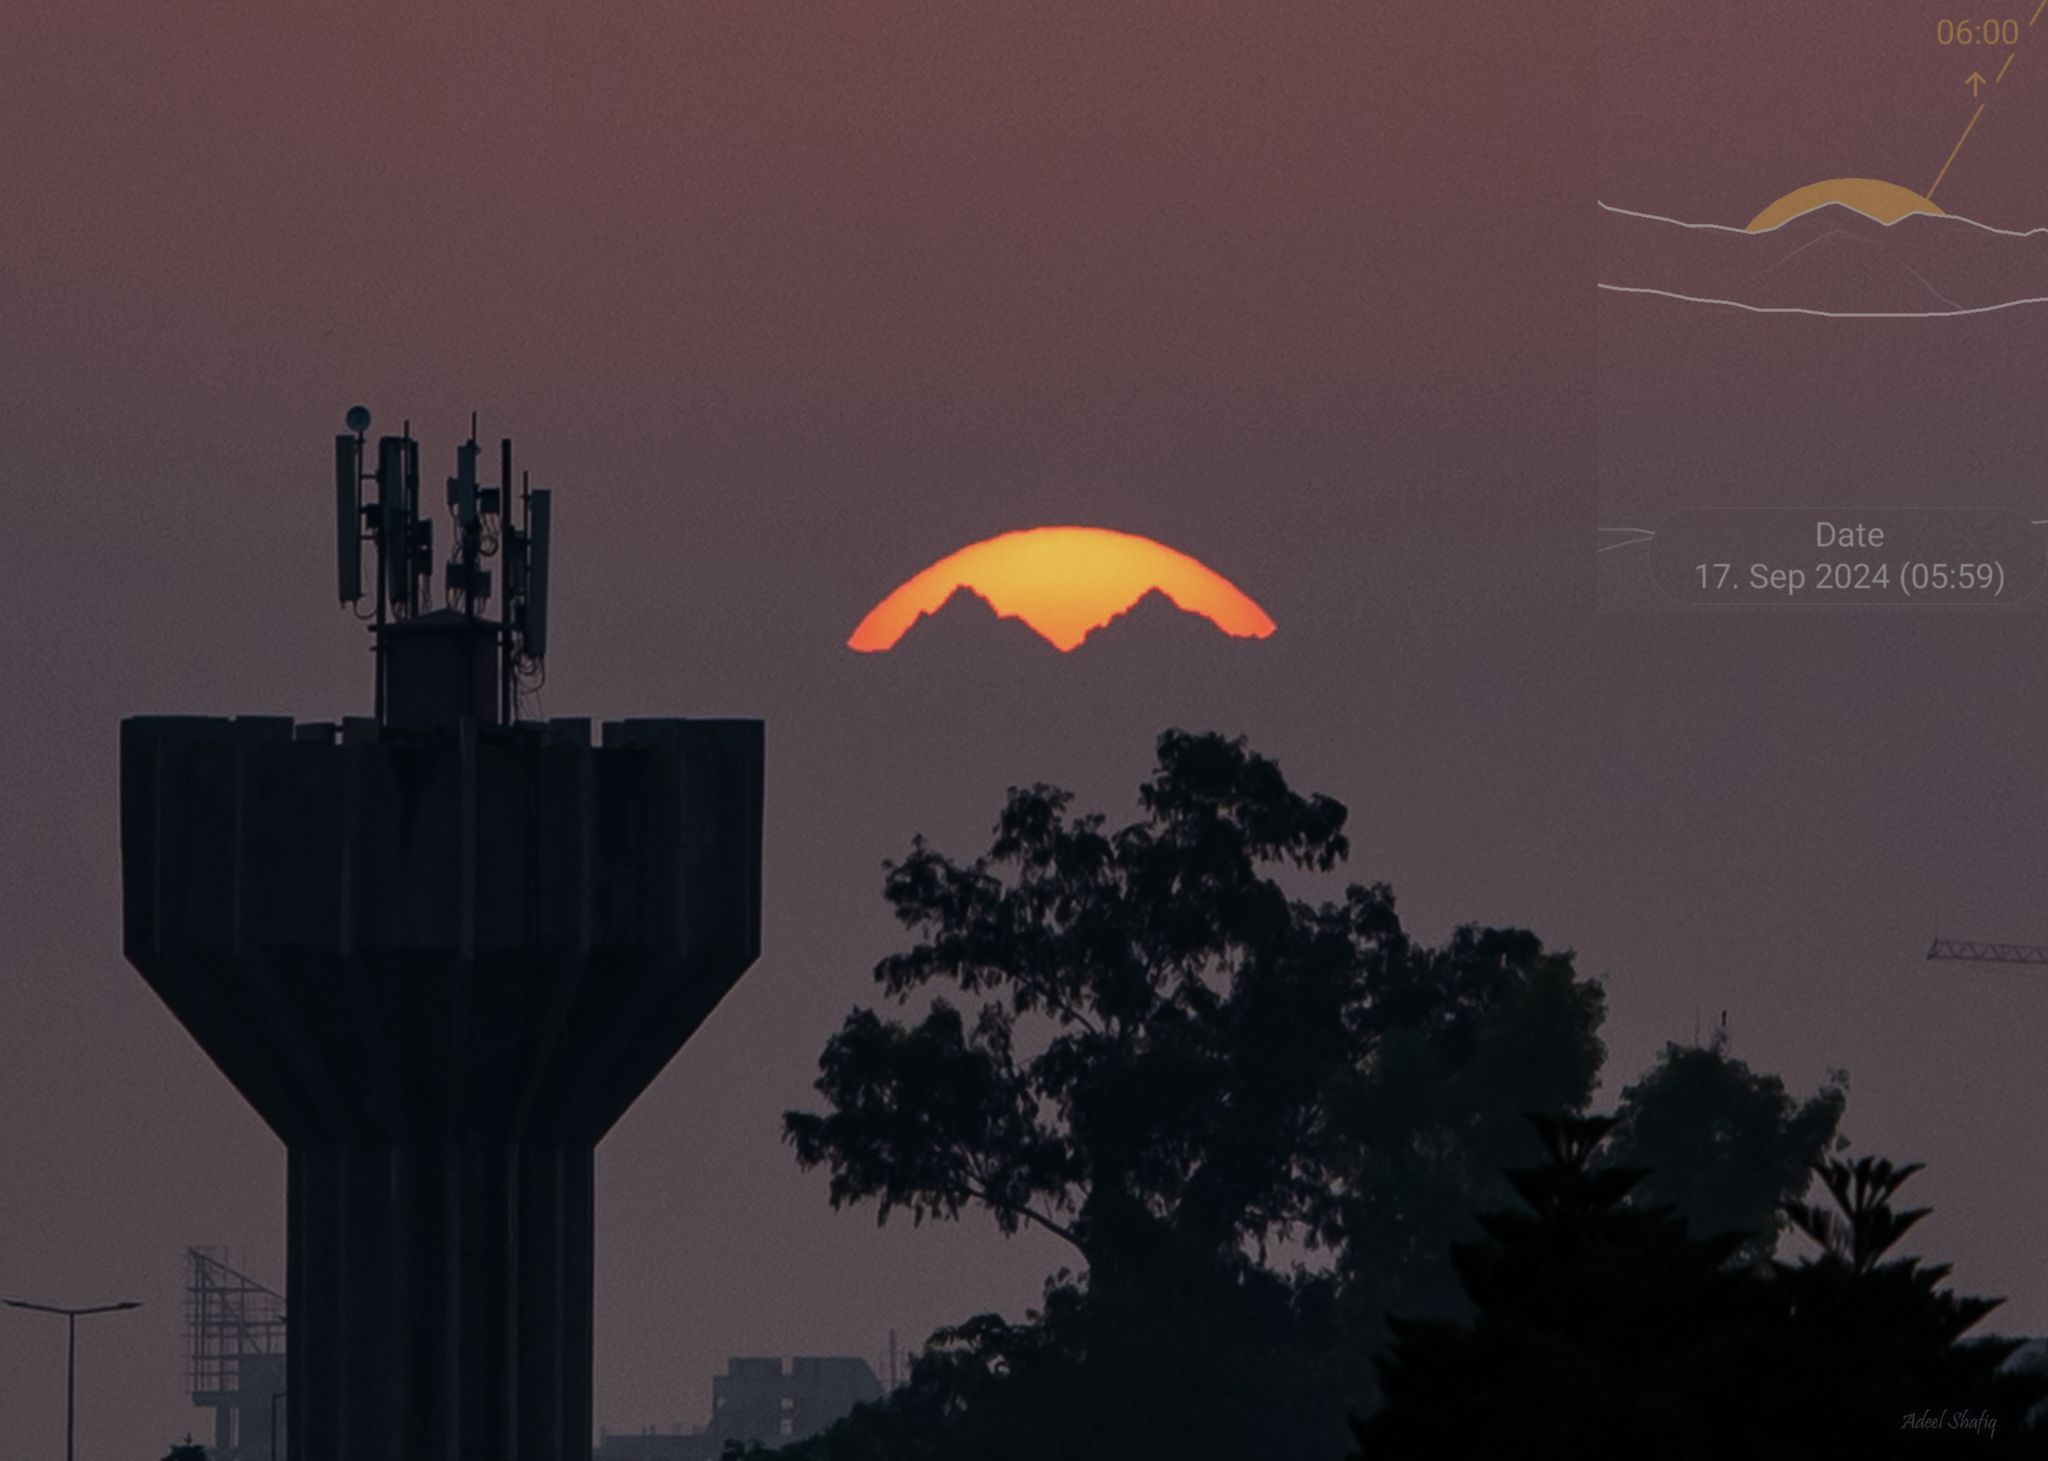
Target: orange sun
x=1065, y=583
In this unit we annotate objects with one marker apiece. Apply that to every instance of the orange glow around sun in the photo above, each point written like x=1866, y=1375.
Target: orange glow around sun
x=1065, y=583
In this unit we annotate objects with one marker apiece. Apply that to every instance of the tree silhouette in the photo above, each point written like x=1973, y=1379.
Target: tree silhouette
x=1150, y=1043
x=1140, y=1041
x=1192, y=1017
x=1724, y=1145
x=1463, y=1039
x=1235, y=1364
x=1168, y=1054
x=1881, y=1337
x=1604, y=1327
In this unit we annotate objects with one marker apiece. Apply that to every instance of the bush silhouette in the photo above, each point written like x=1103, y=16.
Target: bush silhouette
x=1604, y=1327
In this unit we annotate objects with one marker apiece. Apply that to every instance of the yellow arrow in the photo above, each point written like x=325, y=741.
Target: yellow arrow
x=1975, y=83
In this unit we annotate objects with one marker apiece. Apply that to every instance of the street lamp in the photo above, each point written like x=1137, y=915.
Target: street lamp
x=71, y=1317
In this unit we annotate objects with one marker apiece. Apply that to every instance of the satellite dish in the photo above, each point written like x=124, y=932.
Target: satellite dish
x=359, y=419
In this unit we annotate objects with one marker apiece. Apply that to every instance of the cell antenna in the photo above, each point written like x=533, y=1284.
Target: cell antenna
x=467, y=501
x=348, y=507
x=486, y=523
x=539, y=512
x=394, y=526
x=420, y=547
x=462, y=486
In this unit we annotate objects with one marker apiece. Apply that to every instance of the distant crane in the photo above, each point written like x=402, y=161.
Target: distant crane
x=1976, y=951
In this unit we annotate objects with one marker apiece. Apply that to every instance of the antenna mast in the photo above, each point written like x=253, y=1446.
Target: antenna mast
x=483, y=527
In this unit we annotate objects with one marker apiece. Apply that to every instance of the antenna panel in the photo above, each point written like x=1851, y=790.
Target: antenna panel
x=348, y=519
x=462, y=486
x=392, y=534
x=539, y=514
x=515, y=563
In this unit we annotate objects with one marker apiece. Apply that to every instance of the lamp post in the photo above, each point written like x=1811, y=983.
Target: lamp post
x=71, y=1317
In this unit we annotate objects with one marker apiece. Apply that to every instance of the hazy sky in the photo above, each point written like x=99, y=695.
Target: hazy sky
x=788, y=301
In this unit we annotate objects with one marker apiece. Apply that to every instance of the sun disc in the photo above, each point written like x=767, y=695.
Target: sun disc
x=1064, y=583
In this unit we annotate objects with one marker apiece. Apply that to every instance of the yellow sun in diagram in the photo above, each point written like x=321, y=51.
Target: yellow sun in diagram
x=1885, y=202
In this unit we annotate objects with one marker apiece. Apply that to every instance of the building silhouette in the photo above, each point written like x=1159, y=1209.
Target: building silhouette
x=766, y=1400
x=440, y=949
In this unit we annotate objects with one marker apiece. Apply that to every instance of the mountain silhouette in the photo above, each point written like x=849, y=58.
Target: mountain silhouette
x=1832, y=260
x=966, y=624
x=1155, y=625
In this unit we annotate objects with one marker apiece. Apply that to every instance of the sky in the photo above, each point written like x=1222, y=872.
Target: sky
x=789, y=301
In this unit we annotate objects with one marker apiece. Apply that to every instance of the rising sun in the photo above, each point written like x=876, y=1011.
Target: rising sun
x=1885, y=202
x=1065, y=583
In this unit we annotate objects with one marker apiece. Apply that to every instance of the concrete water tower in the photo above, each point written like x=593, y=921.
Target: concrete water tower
x=441, y=950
